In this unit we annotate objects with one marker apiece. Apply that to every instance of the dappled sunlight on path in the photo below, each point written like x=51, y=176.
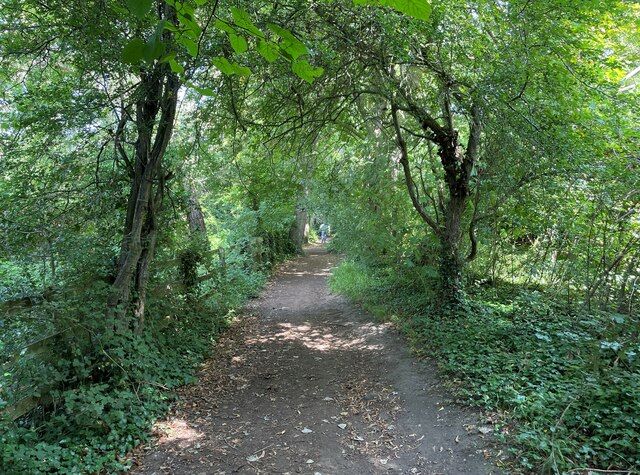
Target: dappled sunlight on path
x=318, y=338
x=307, y=383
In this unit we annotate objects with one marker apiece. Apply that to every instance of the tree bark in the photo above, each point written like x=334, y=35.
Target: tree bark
x=195, y=216
x=156, y=104
x=451, y=260
x=457, y=164
x=299, y=232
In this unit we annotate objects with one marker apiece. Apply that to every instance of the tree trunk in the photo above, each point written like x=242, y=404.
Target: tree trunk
x=154, y=121
x=451, y=260
x=131, y=246
x=143, y=268
x=299, y=232
x=195, y=216
x=457, y=164
x=621, y=298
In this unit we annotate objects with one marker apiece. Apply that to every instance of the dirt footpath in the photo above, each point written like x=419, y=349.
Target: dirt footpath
x=308, y=383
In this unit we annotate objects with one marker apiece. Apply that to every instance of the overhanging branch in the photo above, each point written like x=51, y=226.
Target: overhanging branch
x=404, y=161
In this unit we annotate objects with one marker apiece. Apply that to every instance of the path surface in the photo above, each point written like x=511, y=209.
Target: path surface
x=308, y=383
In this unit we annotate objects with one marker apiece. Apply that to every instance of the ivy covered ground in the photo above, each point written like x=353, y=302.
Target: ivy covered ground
x=564, y=385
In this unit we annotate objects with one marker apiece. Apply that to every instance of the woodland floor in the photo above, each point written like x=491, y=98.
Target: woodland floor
x=307, y=382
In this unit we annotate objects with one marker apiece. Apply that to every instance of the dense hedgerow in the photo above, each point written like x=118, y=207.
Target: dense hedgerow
x=105, y=389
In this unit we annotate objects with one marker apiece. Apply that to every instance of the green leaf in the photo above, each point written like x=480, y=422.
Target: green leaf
x=290, y=44
x=229, y=68
x=175, y=67
x=224, y=26
x=268, y=50
x=189, y=44
x=201, y=2
x=420, y=9
x=133, y=51
x=170, y=26
x=139, y=7
x=185, y=9
x=305, y=71
x=192, y=29
x=241, y=70
x=167, y=57
x=153, y=49
x=242, y=19
x=238, y=43
x=204, y=91
x=223, y=65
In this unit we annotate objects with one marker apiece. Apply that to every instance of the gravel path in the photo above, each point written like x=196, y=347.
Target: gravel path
x=307, y=383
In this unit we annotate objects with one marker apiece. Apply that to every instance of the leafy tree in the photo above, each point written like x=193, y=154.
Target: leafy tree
x=458, y=86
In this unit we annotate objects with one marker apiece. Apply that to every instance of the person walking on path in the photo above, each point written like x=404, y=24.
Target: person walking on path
x=323, y=233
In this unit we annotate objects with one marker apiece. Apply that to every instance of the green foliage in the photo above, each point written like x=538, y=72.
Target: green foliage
x=420, y=9
x=552, y=195
x=139, y=7
x=307, y=72
x=109, y=388
x=353, y=281
x=102, y=390
x=569, y=382
x=228, y=68
x=133, y=51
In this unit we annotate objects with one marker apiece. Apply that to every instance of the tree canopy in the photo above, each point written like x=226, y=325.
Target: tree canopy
x=159, y=157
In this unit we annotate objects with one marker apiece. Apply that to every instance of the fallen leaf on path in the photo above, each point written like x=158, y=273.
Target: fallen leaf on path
x=255, y=458
x=342, y=426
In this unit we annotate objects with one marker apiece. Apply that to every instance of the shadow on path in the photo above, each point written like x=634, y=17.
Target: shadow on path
x=307, y=383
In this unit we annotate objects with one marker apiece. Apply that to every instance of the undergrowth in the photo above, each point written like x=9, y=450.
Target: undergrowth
x=103, y=390
x=105, y=400
x=569, y=382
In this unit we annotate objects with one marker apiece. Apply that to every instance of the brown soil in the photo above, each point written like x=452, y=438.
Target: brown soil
x=307, y=383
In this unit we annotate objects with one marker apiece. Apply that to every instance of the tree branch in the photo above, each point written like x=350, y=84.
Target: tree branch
x=404, y=161
x=474, y=138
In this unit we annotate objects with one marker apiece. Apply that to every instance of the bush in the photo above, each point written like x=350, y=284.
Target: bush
x=105, y=389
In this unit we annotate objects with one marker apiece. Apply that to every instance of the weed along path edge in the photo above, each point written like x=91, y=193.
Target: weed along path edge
x=307, y=383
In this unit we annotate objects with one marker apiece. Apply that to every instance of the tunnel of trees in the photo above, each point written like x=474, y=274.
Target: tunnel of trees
x=478, y=162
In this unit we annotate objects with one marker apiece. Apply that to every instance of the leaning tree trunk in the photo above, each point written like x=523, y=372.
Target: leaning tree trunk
x=156, y=101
